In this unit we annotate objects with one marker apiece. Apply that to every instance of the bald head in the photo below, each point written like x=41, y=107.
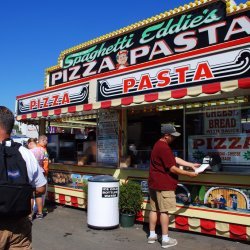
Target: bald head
x=43, y=140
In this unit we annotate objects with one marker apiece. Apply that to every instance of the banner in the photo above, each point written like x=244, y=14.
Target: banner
x=233, y=148
x=218, y=121
x=54, y=99
x=215, y=67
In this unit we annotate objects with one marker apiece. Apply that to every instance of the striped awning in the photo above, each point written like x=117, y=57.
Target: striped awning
x=165, y=96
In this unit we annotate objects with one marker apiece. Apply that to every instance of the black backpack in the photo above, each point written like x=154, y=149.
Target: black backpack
x=15, y=190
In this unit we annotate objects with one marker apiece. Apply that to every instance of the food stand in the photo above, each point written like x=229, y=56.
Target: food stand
x=189, y=67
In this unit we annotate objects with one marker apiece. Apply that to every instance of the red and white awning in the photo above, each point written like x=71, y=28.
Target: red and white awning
x=165, y=96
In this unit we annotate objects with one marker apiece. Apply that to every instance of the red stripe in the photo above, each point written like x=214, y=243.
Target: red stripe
x=74, y=201
x=178, y=93
x=211, y=88
x=151, y=97
x=244, y=83
x=57, y=111
x=238, y=232
x=127, y=100
x=168, y=59
x=34, y=115
x=208, y=226
x=45, y=113
x=181, y=222
x=106, y=104
x=24, y=117
x=72, y=109
x=87, y=107
x=62, y=198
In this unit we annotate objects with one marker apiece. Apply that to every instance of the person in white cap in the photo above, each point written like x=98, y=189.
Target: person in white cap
x=162, y=182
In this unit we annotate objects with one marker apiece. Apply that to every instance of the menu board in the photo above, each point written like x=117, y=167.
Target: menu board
x=222, y=121
x=107, y=137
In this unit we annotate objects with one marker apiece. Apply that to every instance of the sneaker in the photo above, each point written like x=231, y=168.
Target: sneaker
x=152, y=239
x=170, y=243
x=39, y=216
x=30, y=217
x=45, y=210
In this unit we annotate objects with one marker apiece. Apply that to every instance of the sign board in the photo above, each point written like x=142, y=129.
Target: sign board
x=227, y=65
x=232, y=148
x=195, y=28
x=107, y=137
x=54, y=99
x=109, y=192
x=218, y=121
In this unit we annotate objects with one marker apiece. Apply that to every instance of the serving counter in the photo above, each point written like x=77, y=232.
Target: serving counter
x=195, y=210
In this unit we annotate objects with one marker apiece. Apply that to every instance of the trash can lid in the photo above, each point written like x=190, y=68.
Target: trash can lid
x=102, y=178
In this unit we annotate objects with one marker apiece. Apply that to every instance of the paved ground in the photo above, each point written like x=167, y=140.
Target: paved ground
x=66, y=228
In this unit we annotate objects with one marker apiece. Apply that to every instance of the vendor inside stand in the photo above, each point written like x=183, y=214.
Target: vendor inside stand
x=72, y=140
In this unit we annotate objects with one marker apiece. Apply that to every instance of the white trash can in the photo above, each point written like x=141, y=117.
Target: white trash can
x=103, y=202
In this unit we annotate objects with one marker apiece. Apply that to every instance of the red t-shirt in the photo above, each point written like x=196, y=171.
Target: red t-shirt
x=162, y=159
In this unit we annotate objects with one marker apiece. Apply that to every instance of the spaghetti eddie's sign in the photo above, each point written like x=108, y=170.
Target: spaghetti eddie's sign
x=201, y=27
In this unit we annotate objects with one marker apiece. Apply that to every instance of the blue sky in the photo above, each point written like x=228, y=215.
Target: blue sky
x=33, y=33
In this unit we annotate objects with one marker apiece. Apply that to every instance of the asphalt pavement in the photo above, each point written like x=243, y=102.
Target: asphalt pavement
x=66, y=228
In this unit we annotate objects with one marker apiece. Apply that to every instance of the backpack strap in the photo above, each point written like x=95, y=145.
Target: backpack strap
x=11, y=150
x=5, y=163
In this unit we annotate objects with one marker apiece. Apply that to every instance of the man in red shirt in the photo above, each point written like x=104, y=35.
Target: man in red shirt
x=162, y=182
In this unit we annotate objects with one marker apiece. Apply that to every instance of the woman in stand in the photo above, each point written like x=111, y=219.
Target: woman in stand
x=39, y=154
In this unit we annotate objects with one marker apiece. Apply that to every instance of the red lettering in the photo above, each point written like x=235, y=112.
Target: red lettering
x=209, y=143
x=164, y=78
x=203, y=71
x=45, y=102
x=219, y=144
x=32, y=104
x=55, y=100
x=38, y=103
x=145, y=82
x=198, y=143
x=182, y=73
x=65, y=99
x=235, y=141
x=247, y=143
x=128, y=84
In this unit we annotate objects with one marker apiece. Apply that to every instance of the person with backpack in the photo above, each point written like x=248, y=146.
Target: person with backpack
x=20, y=176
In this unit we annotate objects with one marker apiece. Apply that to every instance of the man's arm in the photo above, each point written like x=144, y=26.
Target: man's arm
x=36, y=177
x=178, y=171
x=182, y=162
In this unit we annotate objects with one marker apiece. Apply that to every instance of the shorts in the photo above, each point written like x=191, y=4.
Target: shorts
x=162, y=201
x=15, y=234
x=38, y=196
